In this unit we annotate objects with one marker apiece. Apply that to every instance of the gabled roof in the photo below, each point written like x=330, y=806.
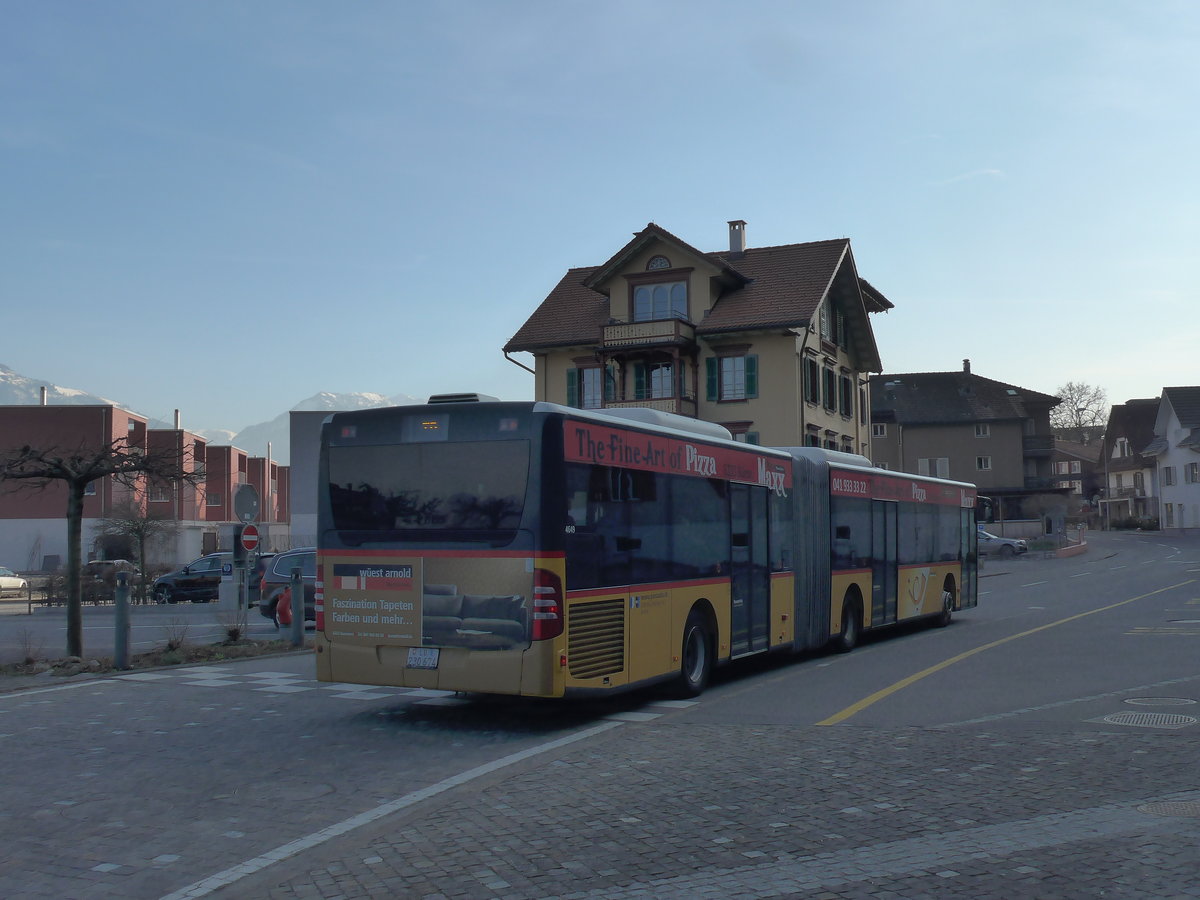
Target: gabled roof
x=951, y=398
x=1186, y=403
x=762, y=288
x=1134, y=421
x=652, y=233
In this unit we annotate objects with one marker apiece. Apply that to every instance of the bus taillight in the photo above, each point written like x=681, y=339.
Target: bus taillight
x=547, y=605
x=319, y=598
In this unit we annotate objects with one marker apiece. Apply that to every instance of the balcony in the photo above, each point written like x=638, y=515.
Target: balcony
x=1038, y=444
x=681, y=406
x=662, y=332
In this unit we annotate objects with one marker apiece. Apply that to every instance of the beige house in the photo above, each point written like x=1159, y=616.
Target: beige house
x=774, y=343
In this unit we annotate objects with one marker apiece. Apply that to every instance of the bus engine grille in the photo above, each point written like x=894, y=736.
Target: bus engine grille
x=596, y=642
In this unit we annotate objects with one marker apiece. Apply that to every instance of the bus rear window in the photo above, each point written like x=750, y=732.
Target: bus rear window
x=429, y=491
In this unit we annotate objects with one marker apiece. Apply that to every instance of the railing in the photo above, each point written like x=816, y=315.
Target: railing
x=662, y=331
x=1038, y=443
x=684, y=406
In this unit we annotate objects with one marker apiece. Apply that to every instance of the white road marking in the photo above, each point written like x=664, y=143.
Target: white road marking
x=235, y=873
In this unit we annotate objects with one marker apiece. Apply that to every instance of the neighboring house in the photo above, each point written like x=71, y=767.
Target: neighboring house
x=969, y=428
x=774, y=343
x=1131, y=492
x=1176, y=450
x=1076, y=468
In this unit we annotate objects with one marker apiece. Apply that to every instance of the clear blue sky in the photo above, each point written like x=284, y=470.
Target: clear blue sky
x=227, y=207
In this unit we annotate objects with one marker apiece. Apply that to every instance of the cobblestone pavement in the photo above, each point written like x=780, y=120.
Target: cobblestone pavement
x=668, y=809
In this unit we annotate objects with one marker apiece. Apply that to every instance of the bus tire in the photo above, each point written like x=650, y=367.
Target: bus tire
x=947, y=614
x=847, y=638
x=696, y=656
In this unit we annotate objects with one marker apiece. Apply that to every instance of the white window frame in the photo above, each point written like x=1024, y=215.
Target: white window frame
x=940, y=467
x=983, y=430
x=879, y=430
x=983, y=463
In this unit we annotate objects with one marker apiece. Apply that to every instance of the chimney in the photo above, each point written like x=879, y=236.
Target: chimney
x=177, y=428
x=737, y=237
x=967, y=366
x=43, y=395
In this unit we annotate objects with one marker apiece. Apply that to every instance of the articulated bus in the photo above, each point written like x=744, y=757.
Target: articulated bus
x=540, y=550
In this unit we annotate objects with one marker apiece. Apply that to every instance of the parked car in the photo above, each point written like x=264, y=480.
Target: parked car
x=994, y=545
x=99, y=579
x=10, y=581
x=199, y=581
x=277, y=578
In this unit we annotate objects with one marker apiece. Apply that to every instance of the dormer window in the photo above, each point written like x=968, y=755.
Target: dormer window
x=666, y=300
x=658, y=262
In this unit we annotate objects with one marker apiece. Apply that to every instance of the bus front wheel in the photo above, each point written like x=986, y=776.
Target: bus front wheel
x=847, y=638
x=696, y=658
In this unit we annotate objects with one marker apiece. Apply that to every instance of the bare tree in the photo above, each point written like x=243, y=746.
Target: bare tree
x=75, y=468
x=134, y=521
x=1083, y=407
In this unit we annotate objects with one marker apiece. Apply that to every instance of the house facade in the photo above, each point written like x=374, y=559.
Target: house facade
x=1130, y=477
x=774, y=343
x=1176, y=453
x=969, y=428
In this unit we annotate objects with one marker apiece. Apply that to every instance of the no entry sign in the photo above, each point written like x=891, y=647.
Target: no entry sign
x=250, y=537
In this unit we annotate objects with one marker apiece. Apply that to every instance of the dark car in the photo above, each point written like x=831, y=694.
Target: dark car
x=198, y=581
x=277, y=578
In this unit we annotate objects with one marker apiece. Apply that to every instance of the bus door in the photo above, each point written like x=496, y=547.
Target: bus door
x=749, y=571
x=968, y=553
x=884, y=516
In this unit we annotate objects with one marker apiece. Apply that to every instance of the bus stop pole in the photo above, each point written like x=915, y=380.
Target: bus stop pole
x=297, y=587
x=121, y=639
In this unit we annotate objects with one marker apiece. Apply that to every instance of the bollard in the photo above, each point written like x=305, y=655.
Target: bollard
x=121, y=641
x=297, y=608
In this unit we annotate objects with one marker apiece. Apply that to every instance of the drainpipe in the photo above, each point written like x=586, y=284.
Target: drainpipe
x=517, y=362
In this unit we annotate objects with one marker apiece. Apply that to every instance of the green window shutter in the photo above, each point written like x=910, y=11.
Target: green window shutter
x=572, y=387
x=751, y=376
x=639, y=381
x=710, y=369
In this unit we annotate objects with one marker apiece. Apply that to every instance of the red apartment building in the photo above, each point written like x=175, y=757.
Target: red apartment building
x=33, y=531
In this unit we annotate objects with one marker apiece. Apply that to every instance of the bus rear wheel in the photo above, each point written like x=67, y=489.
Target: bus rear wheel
x=947, y=614
x=696, y=658
x=847, y=638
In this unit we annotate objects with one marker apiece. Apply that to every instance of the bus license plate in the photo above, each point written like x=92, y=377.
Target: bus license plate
x=423, y=657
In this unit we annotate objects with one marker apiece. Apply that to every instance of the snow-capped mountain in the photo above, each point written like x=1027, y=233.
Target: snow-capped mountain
x=254, y=438
x=21, y=390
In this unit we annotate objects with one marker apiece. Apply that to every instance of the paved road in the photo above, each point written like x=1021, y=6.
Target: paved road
x=934, y=776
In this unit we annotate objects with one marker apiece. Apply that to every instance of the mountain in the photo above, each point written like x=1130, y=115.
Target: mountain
x=20, y=390
x=254, y=438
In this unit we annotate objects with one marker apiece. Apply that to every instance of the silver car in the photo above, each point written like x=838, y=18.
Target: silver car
x=11, y=582
x=994, y=545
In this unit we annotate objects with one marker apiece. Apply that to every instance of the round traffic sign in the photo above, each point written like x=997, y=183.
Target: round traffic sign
x=250, y=537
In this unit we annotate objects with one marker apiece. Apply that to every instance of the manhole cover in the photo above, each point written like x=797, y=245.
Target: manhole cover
x=1149, y=720
x=1160, y=701
x=1171, y=808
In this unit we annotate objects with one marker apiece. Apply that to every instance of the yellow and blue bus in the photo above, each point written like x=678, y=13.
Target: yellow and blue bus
x=540, y=550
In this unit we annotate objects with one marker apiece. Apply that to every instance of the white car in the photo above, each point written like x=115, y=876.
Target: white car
x=994, y=545
x=10, y=581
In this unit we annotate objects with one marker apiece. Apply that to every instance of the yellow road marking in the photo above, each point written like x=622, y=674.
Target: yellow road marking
x=900, y=685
